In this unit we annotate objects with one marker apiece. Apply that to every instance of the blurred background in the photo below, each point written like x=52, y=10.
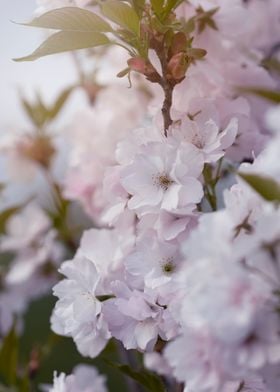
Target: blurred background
x=49, y=76
x=16, y=41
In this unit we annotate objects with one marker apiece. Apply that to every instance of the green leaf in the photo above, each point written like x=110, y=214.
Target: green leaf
x=65, y=41
x=24, y=384
x=124, y=72
x=71, y=19
x=271, y=95
x=272, y=64
x=267, y=187
x=196, y=53
x=59, y=103
x=37, y=112
x=9, y=357
x=122, y=14
x=6, y=215
x=157, y=6
x=171, y=5
x=205, y=19
x=145, y=378
x=189, y=26
x=138, y=5
x=207, y=173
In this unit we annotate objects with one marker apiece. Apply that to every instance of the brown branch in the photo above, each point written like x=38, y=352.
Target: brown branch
x=166, y=107
x=167, y=87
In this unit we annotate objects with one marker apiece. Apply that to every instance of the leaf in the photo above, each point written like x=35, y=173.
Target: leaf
x=24, y=384
x=157, y=6
x=59, y=103
x=122, y=14
x=171, y=5
x=189, y=26
x=267, y=187
x=65, y=41
x=37, y=113
x=9, y=357
x=147, y=379
x=207, y=173
x=6, y=215
x=272, y=64
x=196, y=53
x=271, y=95
x=205, y=19
x=124, y=72
x=71, y=19
x=138, y=5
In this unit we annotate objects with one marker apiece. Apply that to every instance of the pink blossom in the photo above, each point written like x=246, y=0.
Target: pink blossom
x=84, y=378
x=77, y=312
x=163, y=176
x=137, y=319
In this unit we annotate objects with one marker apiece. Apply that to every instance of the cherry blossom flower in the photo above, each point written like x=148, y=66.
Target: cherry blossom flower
x=137, y=319
x=77, y=312
x=84, y=378
x=30, y=237
x=207, y=137
x=196, y=292
x=153, y=262
x=106, y=249
x=164, y=176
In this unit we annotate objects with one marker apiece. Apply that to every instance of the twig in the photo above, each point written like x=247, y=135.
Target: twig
x=167, y=87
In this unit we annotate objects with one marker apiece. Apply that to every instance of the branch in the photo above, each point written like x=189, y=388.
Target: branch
x=168, y=88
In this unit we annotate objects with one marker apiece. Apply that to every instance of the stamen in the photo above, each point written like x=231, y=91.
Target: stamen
x=162, y=181
x=168, y=265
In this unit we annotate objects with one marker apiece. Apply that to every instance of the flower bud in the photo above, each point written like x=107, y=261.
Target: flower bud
x=144, y=67
x=179, y=44
x=177, y=66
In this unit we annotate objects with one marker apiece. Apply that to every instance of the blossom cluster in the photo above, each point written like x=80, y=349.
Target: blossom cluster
x=181, y=261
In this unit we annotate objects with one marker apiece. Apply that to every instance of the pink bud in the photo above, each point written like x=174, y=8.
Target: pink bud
x=144, y=67
x=177, y=66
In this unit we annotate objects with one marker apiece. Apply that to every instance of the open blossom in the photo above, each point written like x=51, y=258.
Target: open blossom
x=267, y=163
x=243, y=205
x=262, y=247
x=163, y=175
x=84, y=378
x=253, y=383
x=137, y=319
x=33, y=241
x=117, y=198
x=169, y=225
x=205, y=364
x=106, y=249
x=207, y=137
x=197, y=293
x=190, y=358
x=153, y=262
x=213, y=233
x=25, y=227
x=16, y=296
x=94, y=134
x=77, y=312
x=224, y=300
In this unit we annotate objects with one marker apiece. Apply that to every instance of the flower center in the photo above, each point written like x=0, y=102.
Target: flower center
x=198, y=141
x=168, y=265
x=163, y=181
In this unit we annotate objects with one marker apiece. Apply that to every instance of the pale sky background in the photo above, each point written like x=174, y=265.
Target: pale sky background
x=48, y=75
